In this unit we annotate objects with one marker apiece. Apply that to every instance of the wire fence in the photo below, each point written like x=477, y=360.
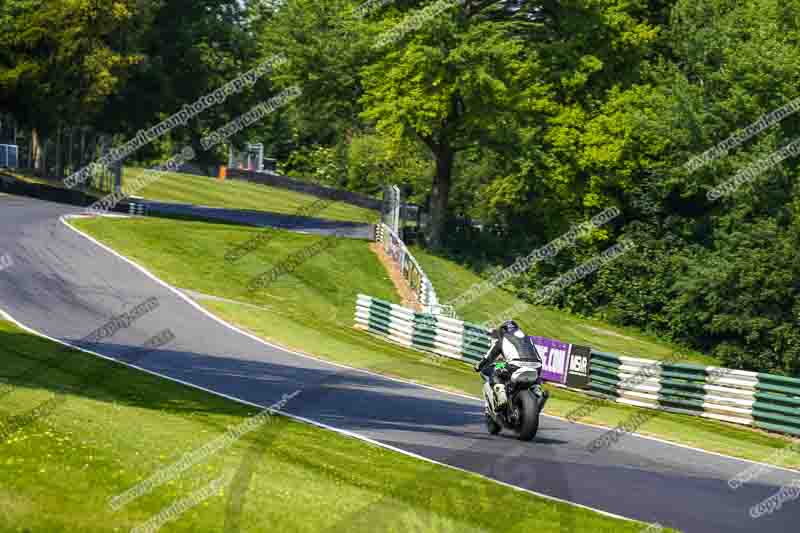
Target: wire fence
x=56, y=154
x=68, y=150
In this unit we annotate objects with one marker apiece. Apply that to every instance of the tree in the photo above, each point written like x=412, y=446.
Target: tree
x=326, y=53
x=451, y=84
x=66, y=58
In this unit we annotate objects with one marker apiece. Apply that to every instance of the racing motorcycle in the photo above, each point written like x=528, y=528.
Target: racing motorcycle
x=525, y=398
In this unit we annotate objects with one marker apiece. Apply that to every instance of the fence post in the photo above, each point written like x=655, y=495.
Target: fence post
x=117, y=170
x=396, y=219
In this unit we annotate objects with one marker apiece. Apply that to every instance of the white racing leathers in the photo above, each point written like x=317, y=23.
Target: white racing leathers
x=510, y=347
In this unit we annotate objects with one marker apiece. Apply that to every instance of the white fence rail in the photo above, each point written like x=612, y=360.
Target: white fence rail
x=396, y=249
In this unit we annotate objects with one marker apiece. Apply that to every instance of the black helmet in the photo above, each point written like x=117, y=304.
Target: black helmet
x=509, y=326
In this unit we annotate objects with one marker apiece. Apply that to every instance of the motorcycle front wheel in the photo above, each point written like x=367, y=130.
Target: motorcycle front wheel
x=528, y=406
x=491, y=426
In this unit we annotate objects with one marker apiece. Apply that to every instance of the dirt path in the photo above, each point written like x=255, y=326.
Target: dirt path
x=407, y=295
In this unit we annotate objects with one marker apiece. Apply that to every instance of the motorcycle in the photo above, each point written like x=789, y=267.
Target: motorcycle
x=525, y=398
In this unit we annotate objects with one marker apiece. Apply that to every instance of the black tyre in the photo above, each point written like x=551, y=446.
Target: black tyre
x=528, y=406
x=491, y=426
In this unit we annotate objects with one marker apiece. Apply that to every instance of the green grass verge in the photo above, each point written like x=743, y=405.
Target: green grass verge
x=451, y=280
x=234, y=194
x=191, y=255
x=312, y=310
x=107, y=435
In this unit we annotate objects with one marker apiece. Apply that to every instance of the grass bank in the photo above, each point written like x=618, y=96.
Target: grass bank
x=233, y=194
x=229, y=194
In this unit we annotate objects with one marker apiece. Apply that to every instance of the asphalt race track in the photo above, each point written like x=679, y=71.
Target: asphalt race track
x=66, y=286
x=319, y=226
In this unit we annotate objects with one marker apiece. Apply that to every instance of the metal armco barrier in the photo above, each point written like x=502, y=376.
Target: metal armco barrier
x=755, y=399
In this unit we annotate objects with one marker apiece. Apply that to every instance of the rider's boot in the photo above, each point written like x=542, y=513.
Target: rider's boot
x=488, y=395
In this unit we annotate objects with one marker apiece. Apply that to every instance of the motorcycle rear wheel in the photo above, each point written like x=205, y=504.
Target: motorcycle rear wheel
x=528, y=405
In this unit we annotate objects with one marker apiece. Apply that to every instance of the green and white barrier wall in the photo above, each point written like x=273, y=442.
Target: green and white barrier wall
x=448, y=337
x=438, y=334
x=755, y=399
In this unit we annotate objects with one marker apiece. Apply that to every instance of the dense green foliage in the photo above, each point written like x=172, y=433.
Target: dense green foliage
x=529, y=116
x=721, y=276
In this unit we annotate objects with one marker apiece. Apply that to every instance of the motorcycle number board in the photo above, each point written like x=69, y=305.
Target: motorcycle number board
x=555, y=355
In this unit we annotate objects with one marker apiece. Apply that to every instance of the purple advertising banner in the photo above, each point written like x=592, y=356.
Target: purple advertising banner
x=555, y=355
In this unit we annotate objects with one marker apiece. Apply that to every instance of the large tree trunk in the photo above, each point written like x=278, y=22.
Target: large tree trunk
x=440, y=195
x=58, y=152
x=82, y=154
x=35, y=153
x=70, y=166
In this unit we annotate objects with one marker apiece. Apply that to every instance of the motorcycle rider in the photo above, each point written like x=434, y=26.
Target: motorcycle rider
x=510, y=344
